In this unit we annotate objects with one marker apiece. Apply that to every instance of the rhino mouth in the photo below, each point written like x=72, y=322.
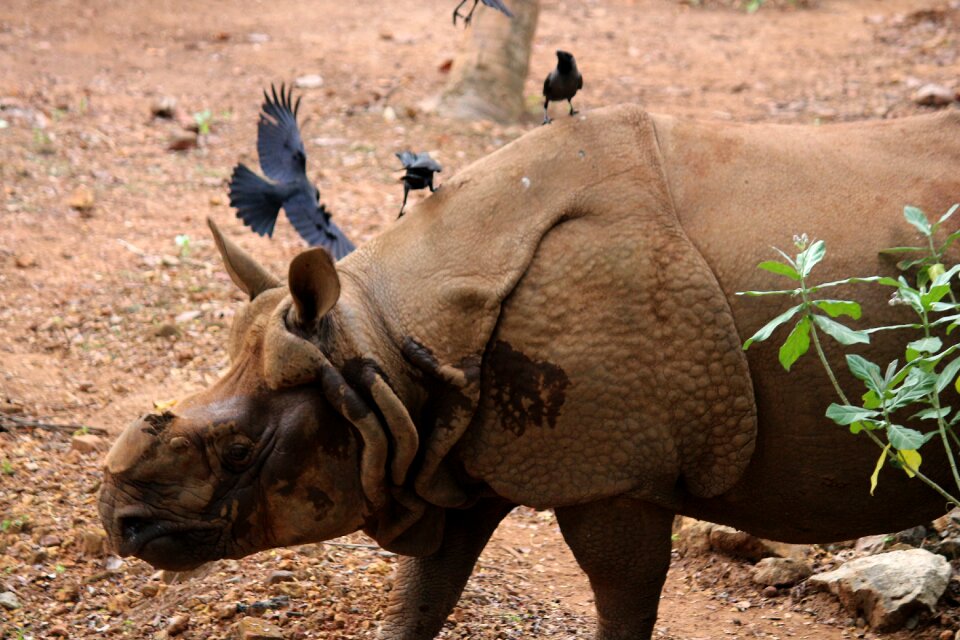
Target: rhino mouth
x=166, y=544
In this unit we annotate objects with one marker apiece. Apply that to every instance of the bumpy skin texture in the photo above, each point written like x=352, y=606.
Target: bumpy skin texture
x=555, y=328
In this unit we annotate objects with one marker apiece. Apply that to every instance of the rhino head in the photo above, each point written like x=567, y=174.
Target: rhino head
x=280, y=451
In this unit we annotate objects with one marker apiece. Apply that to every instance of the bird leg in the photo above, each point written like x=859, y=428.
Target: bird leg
x=466, y=18
x=406, y=190
x=573, y=111
x=546, y=118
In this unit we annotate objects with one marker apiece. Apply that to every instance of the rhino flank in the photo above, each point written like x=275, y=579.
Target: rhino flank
x=556, y=328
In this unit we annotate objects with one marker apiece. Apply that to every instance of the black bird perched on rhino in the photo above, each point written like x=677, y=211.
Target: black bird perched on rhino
x=420, y=169
x=562, y=83
x=494, y=4
x=284, y=160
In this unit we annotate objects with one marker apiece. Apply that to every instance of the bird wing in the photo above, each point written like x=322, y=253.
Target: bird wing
x=282, y=156
x=546, y=83
x=499, y=6
x=579, y=82
x=313, y=224
x=424, y=161
x=257, y=201
x=407, y=158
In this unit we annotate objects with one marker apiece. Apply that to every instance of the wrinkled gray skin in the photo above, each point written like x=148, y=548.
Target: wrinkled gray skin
x=555, y=328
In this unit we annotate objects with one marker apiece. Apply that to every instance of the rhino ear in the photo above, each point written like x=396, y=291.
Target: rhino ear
x=245, y=272
x=314, y=285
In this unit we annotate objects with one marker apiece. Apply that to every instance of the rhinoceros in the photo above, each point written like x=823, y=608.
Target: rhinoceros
x=557, y=327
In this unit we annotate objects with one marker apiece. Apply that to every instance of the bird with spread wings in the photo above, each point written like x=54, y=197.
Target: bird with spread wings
x=284, y=161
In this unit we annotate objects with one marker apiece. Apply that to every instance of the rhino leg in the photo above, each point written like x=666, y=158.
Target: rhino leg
x=623, y=545
x=427, y=588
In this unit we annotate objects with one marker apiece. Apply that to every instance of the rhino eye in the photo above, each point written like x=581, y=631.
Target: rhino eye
x=237, y=453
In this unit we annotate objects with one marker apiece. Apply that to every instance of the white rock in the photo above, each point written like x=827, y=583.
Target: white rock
x=888, y=587
x=8, y=600
x=934, y=95
x=310, y=81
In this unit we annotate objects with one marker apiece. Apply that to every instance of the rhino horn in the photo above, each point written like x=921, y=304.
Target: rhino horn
x=245, y=272
x=314, y=286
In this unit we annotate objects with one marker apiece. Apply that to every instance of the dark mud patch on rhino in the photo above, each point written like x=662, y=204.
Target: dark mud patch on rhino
x=157, y=422
x=526, y=391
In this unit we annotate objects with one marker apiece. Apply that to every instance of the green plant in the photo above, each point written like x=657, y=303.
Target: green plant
x=183, y=242
x=6, y=468
x=203, y=119
x=896, y=390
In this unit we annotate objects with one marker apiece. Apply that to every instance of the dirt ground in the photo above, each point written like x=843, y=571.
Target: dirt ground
x=102, y=312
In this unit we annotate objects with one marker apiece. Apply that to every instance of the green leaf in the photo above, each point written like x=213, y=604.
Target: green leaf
x=876, y=469
x=871, y=400
x=918, y=385
x=949, y=241
x=797, y=343
x=778, y=267
x=934, y=295
x=840, y=333
x=911, y=460
x=769, y=328
x=810, y=256
x=932, y=413
x=917, y=218
x=786, y=257
x=837, y=308
x=848, y=414
x=904, y=438
x=867, y=371
x=926, y=345
x=949, y=213
x=904, y=265
x=884, y=280
x=945, y=277
x=948, y=375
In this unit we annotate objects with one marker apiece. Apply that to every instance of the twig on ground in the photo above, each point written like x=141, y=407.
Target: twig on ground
x=26, y=423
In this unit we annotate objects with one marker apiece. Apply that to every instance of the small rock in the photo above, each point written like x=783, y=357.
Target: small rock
x=258, y=38
x=8, y=600
x=170, y=261
x=164, y=107
x=92, y=543
x=25, y=261
x=257, y=629
x=183, y=142
x=770, y=591
x=934, y=95
x=178, y=624
x=946, y=634
x=280, y=576
x=889, y=587
x=225, y=611
x=150, y=589
x=739, y=544
x=58, y=631
x=50, y=540
x=87, y=443
x=913, y=537
x=114, y=564
x=389, y=114
x=694, y=537
x=166, y=331
x=869, y=545
x=82, y=199
x=310, y=81
x=187, y=316
x=781, y=572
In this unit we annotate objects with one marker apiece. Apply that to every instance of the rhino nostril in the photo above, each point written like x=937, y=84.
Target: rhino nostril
x=131, y=526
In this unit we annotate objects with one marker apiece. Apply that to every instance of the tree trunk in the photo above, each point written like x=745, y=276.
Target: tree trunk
x=488, y=75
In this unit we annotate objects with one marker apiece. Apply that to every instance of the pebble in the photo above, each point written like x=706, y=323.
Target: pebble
x=25, y=261
x=187, y=316
x=82, y=199
x=87, y=443
x=280, y=576
x=309, y=81
x=164, y=107
x=256, y=629
x=770, y=591
x=178, y=624
x=934, y=95
x=58, y=631
x=8, y=600
x=183, y=142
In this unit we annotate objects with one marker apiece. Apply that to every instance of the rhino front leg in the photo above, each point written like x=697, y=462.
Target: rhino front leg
x=427, y=588
x=623, y=545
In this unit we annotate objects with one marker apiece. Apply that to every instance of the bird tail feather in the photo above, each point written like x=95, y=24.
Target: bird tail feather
x=256, y=200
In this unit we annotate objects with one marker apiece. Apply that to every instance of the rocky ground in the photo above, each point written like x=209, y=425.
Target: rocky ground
x=119, y=123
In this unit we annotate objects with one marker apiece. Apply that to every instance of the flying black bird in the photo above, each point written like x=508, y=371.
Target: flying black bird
x=562, y=83
x=420, y=169
x=284, y=160
x=496, y=4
